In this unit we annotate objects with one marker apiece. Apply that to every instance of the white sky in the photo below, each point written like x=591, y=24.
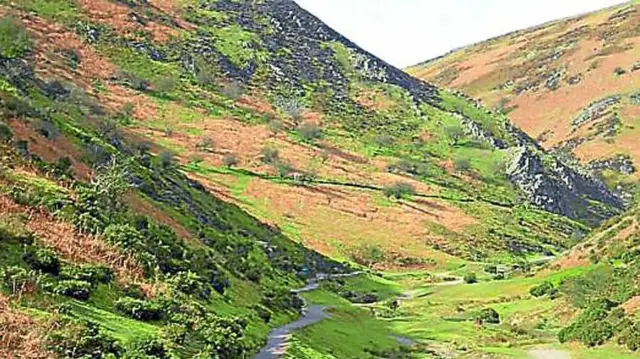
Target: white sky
x=406, y=32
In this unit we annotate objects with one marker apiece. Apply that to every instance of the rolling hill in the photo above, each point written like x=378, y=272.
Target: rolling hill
x=571, y=84
x=171, y=171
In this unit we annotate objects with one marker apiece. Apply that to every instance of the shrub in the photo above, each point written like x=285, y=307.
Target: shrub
x=230, y=160
x=309, y=131
x=619, y=71
x=131, y=80
x=270, y=155
x=148, y=349
x=630, y=337
x=206, y=144
x=233, y=90
x=167, y=159
x=543, y=289
x=274, y=126
x=18, y=279
x=292, y=107
x=88, y=273
x=263, y=312
x=488, y=315
x=224, y=337
x=74, y=339
x=165, y=85
x=77, y=289
x=384, y=140
x=399, y=190
x=592, y=327
x=367, y=255
x=470, y=278
x=124, y=236
x=190, y=283
x=42, y=259
x=491, y=268
x=138, y=309
x=455, y=133
x=14, y=41
x=462, y=164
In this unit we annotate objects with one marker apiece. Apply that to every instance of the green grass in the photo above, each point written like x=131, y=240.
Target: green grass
x=348, y=333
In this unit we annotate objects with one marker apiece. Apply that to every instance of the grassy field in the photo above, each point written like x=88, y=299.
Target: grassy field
x=439, y=319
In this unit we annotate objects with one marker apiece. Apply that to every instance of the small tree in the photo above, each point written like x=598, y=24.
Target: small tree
x=270, y=155
x=455, y=133
x=206, y=144
x=488, y=315
x=309, y=131
x=462, y=164
x=470, y=278
x=167, y=159
x=233, y=90
x=165, y=85
x=230, y=160
x=384, y=140
x=275, y=126
x=399, y=190
x=367, y=255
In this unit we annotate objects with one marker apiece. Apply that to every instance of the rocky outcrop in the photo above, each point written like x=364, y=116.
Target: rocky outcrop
x=560, y=188
x=595, y=110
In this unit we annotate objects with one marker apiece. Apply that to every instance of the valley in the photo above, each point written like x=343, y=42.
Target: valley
x=235, y=179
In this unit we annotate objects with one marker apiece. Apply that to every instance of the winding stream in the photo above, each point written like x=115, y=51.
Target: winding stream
x=278, y=339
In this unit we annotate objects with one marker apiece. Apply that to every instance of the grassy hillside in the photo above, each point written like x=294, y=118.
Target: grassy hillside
x=171, y=170
x=571, y=84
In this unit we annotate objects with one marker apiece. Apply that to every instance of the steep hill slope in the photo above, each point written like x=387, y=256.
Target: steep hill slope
x=172, y=169
x=571, y=84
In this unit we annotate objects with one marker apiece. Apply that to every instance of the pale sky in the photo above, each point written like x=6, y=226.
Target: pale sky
x=406, y=32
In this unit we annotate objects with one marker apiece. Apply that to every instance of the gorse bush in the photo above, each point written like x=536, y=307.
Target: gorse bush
x=18, y=280
x=88, y=273
x=76, y=289
x=543, y=289
x=75, y=339
x=138, y=308
x=309, y=131
x=399, y=190
x=14, y=40
x=488, y=315
x=470, y=278
x=42, y=259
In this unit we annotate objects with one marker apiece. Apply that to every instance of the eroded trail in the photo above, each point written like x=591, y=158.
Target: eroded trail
x=278, y=339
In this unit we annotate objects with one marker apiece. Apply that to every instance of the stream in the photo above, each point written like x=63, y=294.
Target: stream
x=278, y=339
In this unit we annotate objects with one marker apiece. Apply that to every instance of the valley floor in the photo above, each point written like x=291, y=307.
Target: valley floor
x=420, y=315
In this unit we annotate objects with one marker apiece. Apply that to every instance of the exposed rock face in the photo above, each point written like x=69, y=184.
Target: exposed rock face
x=595, y=110
x=559, y=188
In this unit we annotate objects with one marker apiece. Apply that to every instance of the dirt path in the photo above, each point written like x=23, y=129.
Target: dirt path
x=549, y=354
x=278, y=339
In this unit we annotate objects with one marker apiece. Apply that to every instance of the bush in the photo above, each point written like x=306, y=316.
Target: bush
x=384, y=140
x=88, y=273
x=138, y=309
x=488, y=315
x=309, y=131
x=165, y=85
x=42, y=259
x=491, y=269
x=148, y=349
x=274, y=126
x=14, y=40
x=462, y=164
x=190, y=283
x=73, y=339
x=368, y=255
x=543, y=289
x=230, y=160
x=233, y=90
x=470, y=278
x=270, y=155
x=77, y=289
x=399, y=190
x=167, y=159
x=592, y=327
x=630, y=337
x=263, y=312
x=206, y=144
x=124, y=236
x=224, y=337
x=18, y=279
